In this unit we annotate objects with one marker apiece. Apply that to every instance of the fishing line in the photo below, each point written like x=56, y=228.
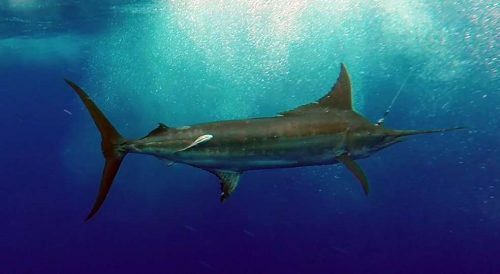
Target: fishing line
x=381, y=121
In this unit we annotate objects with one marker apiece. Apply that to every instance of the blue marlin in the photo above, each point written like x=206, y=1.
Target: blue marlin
x=325, y=132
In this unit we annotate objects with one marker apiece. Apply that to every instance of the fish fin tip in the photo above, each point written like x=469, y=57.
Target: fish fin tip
x=339, y=97
x=162, y=128
x=228, y=180
x=356, y=170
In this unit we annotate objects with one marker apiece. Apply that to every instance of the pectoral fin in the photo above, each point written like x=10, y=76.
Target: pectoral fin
x=356, y=170
x=228, y=182
x=199, y=140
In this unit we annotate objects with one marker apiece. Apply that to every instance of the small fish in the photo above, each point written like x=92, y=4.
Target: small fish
x=248, y=233
x=340, y=250
x=190, y=228
x=206, y=265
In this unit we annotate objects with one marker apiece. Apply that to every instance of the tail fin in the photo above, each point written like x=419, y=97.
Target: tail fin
x=111, y=147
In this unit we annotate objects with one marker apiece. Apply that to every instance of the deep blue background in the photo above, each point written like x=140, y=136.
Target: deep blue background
x=434, y=207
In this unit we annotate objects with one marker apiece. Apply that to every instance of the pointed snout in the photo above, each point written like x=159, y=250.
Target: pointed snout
x=403, y=133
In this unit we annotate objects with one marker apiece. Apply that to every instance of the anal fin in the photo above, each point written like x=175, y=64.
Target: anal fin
x=356, y=170
x=228, y=182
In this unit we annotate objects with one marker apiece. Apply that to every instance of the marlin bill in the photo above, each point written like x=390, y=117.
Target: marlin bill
x=325, y=132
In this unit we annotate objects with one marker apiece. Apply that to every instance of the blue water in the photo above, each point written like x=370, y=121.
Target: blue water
x=435, y=200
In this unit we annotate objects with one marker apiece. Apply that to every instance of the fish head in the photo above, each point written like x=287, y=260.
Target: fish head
x=363, y=143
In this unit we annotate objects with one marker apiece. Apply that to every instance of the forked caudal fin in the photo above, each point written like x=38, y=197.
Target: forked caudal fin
x=111, y=147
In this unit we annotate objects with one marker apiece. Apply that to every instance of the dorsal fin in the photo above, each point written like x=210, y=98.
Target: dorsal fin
x=160, y=129
x=339, y=97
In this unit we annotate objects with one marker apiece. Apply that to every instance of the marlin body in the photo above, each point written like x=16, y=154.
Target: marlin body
x=253, y=144
x=327, y=131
